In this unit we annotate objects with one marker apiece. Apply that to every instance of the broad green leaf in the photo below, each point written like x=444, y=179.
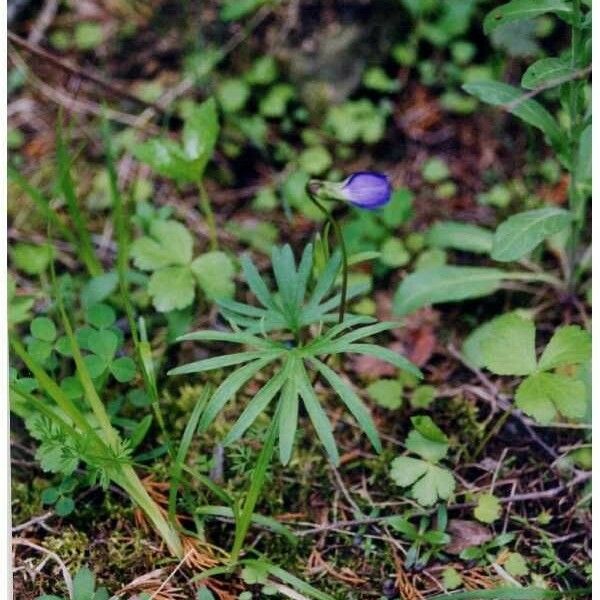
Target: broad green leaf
x=232, y=94
x=545, y=71
x=386, y=393
x=437, y=483
x=172, y=288
x=542, y=394
x=527, y=109
x=584, y=161
x=509, y=346
x=168, y=159
x=43, y=329
x=31, y=259
x=445, y=284
x=460, y=236
x=406, y=470
x=521, y=233
x=354, y=404
x=100, y=315
x=200, y=132
x=84, y=584
x=488, y=508
x=431, y=450
x=451, y=578
x=214, y=272
x=516, y=565
x=520, y=10
x=123, y=369
x=570, y=345
x=169, y=243
x=103, y=343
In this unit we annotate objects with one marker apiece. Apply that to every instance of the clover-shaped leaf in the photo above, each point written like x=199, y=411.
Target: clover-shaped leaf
x=428, y=481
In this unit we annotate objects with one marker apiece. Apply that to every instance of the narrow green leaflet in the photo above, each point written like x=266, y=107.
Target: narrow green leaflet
x=445, y=284
x=460, y=236
x=521, y=233
x=200, y=132
x=527, y=109
x=543, y=394
x=288, y=418
x=546, y=71
x=509, y=346
x=520, y=10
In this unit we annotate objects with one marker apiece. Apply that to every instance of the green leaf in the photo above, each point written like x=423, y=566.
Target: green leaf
x=229, y=388
x=218, y=362
x=570, y=345
x=100, y=315
x=386, y=393
x=200, y=133
x=514, y=593
x=386, y=355
x=317, y=416
x=236, y=9
x=214, y=272
x=519, y=10
x=521, y=233
x=527, y=109
x=461, y=236
x=139, y=432
x=123, y=369
x=584, y=161
x=43, y=329
x=394, y=253
x=451, y=578
x=429, y=482
x=508, y=347
x=315, y=160
x=65, y=506
x=288, y=418
x=435, y=170
x=232, y=94
x=444, y=284
x=103, y=343
x=168, y=159
x=427, y=440
x=84, y=584
x=488, y=508
x=32, y=259
x=353, y=403
x=542, y=394
x=516, y=565
x=259, y=402
x=423, y=396
x=169, y=243
x=95, y=365
x=171, y=288
x=546, y=70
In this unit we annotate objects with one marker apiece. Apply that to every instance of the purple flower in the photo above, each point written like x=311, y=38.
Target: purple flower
x=365, y=189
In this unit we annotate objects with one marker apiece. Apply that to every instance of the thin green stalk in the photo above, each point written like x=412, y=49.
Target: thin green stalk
x=84, y=241
x=575, y=201
x=142, y=347
x=523, y=276
x=340, y=238
x=258, y=479
x=209, y=216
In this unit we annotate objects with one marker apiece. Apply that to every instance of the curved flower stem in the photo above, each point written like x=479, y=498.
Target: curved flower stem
x=209, y=216
x=340, y=239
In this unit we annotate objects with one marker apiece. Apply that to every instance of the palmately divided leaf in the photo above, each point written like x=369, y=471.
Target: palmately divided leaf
x=542, y=394
x=570, y=345
x=288, y=418
x=406, y=470
x=172, y=288
x=214, y=272
x=436, y=483
x=429, y=449
x=508, y=347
